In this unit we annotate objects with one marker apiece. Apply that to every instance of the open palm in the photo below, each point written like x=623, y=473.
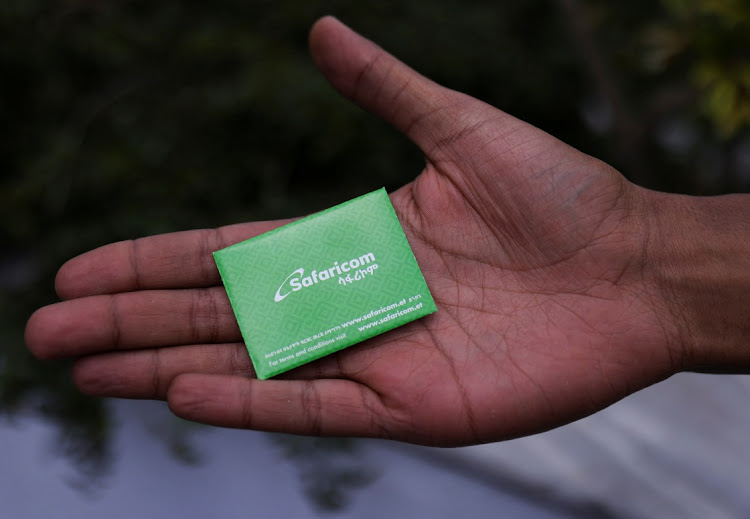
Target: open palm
x=533, y=251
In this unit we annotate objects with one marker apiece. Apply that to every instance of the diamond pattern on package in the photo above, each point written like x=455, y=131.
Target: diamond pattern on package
x=323, y=283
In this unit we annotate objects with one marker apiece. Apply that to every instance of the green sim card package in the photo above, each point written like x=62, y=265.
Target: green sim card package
x=322, y=283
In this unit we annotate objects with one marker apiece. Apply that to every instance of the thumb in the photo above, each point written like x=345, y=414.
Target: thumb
x=420, y=108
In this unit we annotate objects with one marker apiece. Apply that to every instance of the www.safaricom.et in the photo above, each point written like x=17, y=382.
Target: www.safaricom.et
x=388, y=317
x=365, y=317
x=382, y=310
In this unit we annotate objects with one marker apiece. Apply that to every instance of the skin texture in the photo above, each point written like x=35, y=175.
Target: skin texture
x=539, y=258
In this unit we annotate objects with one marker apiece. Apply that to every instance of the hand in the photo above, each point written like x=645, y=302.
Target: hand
x=535, y=253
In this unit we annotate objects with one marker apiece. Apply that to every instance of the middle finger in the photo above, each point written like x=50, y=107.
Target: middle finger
x=131, y=320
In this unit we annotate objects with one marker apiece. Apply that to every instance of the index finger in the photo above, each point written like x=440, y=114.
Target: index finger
x=166, y=261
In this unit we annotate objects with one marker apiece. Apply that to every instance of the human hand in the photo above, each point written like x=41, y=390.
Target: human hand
x=535, y=253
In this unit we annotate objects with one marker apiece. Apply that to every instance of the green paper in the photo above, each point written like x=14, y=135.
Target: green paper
x=323, y=283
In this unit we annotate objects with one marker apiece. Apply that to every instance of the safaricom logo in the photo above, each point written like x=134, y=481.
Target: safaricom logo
x=297, y=280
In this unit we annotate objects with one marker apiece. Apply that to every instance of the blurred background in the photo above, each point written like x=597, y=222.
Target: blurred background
x=128, y=118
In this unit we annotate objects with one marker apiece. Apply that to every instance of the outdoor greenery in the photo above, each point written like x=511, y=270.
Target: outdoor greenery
x=128, y=118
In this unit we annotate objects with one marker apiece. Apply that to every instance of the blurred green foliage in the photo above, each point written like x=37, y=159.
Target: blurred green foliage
x=709, y=41
x=127, y=118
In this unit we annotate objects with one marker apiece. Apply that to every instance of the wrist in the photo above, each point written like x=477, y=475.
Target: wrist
x=698, y=257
